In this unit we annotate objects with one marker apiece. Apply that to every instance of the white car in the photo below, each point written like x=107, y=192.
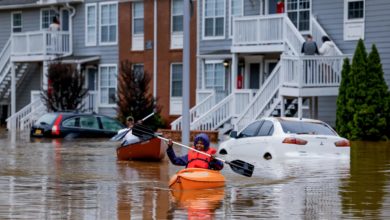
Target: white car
x=282, y=137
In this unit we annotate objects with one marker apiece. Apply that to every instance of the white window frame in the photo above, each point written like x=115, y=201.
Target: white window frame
x=176, y=36
x=87, y=6
x=100, y=85
x=50, y=18
x=100, y=23
x=355, y=25
x=214, y=62
x=300, y=10
x=231, y=16
x=12, y=21
x=204, y=37
x=137, y=40
x=175, y=102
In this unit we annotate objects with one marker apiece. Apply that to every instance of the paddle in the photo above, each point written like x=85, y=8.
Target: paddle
x=123, y=133
x=238, y=166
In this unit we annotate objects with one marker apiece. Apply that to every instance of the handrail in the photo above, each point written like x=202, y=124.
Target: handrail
x=295, y=44
x=318, y=32
x=196, y=111
x=261, y=99
x=5, y=55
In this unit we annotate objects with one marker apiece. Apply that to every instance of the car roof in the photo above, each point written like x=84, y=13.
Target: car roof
x=77, y=114
x=291, y=119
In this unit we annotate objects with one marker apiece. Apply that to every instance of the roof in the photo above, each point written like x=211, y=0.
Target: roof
x=17, y=2
x=79, y=59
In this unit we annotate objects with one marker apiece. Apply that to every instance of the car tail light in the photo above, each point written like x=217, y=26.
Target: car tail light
x=55, y=130
x=342, y=143
x=291, y=140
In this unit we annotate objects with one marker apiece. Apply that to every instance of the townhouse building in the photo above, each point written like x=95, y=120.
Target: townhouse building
x=88, y=38
x=151, y=39
x=250, y=63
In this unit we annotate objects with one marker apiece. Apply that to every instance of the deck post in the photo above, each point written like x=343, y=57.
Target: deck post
x=13, y=96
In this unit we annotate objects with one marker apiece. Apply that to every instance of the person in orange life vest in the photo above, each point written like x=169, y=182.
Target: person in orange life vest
x=194, y=159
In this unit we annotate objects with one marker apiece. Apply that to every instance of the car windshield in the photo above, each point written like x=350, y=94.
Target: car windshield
x=47, y=119
x=304, y=127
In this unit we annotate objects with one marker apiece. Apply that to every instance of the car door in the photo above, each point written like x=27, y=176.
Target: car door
x=244, y=144
x=264, y=140
x=89, y=126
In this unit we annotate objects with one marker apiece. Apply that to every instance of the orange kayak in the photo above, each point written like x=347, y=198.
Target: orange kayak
x=196, y=178
x=152, y=149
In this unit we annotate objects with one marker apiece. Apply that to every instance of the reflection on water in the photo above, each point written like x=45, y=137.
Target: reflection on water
x=81, y=179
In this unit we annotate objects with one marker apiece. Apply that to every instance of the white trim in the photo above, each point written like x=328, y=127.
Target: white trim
x=204, y=23
x=12, y=21
x=99, y=84
x=137, y=40
x=88, y=44
x=176, y=102
x=249, y=60
x=100, y=24
x=230, y=33
x=353, y=26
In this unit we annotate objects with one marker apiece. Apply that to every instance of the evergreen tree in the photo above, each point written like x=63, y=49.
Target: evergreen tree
x=357, y=91
x=376, y=106
x=133, y=97
x=65, y=91
x=342, y=115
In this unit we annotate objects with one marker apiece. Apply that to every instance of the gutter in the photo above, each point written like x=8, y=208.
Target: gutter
x=155, y=50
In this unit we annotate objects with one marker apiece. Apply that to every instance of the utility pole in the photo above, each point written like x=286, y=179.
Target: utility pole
x=185, y=128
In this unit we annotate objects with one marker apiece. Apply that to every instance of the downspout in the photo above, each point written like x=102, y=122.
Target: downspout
x=71, y=28
x=155, y=51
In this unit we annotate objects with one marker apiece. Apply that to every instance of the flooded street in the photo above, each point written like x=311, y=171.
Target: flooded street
x=82, y=179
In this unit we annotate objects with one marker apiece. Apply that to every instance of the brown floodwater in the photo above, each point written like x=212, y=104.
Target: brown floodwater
x=82, y=179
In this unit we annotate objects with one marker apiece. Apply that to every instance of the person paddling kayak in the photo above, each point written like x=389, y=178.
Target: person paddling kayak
x=194, y=159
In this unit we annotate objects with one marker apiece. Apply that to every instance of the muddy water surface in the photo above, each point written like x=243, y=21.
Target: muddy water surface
x=81, y=179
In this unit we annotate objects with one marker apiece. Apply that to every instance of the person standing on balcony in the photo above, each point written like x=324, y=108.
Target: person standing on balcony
x=309, y=47
x=54, y=27
x=328, y=48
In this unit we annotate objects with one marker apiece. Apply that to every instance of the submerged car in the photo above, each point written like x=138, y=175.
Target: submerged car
x=66, y=124
x=281, y=137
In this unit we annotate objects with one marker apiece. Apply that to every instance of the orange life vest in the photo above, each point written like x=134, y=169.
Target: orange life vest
x=198, y=160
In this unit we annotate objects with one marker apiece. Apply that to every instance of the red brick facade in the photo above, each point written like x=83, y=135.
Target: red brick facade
x=165, y=55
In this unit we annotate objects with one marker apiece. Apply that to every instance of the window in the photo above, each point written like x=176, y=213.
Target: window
x=110, y=124
x=72, y=122
x=47, y=16
x=214, y=18
x=353, y=19
x=215, y=76
x=89, y=122
x=108, y=23
x=108, y=84
x=138, y=68
x=355, y=10
x=266, y=129
x=301, y=127
x=176, y=80
x=138, y=18
x=16, y=22
x=91, y=25
x=251, y=130
x=177, y=16
x=236, y=10
x=299, y=13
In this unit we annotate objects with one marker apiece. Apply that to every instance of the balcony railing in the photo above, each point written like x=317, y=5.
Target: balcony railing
x=41, y=43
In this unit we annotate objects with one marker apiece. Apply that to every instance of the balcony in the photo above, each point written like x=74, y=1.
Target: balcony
x=40, y=45
x=265, y=33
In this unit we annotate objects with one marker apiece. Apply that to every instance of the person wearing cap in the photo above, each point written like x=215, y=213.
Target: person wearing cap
x=130, y=138
x=195, y=159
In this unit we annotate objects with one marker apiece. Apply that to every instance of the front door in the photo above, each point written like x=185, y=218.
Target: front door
x=254, y=75
x=64, y=20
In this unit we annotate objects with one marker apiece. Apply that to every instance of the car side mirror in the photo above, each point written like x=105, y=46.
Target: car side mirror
x=233, y=134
